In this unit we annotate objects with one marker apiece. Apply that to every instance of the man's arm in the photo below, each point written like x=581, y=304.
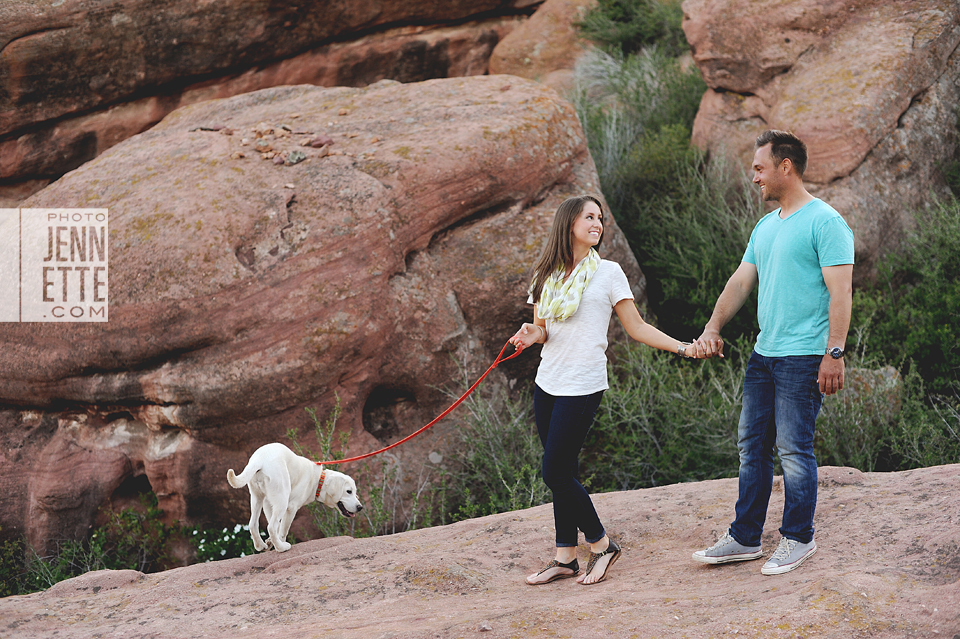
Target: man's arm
x=839, y=281
x=734, y=294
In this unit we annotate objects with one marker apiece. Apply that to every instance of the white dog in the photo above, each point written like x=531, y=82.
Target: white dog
x=281, y=483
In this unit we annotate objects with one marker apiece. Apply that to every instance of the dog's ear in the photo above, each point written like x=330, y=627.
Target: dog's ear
x=333, y=487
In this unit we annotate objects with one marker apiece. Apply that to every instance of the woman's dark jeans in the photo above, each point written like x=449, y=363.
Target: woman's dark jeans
x=563, y=424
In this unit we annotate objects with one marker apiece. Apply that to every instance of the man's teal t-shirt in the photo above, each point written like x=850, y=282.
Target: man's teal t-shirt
x=794, y=302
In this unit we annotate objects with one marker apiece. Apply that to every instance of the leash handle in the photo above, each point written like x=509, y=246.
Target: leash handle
x=500, y=359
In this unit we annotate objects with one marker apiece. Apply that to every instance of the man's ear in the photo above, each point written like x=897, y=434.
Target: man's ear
x=787, y=166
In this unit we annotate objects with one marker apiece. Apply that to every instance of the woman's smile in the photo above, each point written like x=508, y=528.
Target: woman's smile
x=588, y=227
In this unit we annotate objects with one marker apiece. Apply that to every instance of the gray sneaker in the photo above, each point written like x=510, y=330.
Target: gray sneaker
x=727, y=549
x=789, y=555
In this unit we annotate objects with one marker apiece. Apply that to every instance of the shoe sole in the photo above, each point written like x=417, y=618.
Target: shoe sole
x=779, y=570
x=552, y=579
x=726, y=559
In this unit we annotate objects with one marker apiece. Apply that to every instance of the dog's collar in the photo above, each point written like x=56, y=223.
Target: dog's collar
x=323, y=474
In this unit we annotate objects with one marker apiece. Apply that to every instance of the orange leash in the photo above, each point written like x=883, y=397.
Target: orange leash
x=500, y=359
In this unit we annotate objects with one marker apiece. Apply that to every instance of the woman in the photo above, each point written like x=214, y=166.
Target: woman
x=573, y=293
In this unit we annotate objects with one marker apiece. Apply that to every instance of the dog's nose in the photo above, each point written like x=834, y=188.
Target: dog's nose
x=359, y=507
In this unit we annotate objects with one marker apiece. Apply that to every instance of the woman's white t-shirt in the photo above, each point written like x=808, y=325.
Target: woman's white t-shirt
x=573, y=359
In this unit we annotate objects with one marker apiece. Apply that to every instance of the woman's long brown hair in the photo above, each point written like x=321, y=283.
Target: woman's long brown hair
x=559, y=248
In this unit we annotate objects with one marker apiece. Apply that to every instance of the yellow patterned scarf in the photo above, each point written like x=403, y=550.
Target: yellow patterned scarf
x=558, y=299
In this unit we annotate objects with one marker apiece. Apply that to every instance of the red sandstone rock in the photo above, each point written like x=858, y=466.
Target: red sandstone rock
x=886, y=568
x=546, y=47
x=242, y=291
x=869, y=86
x=65, y=57
x=408, y=54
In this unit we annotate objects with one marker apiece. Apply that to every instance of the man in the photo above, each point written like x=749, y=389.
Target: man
x=802, y=257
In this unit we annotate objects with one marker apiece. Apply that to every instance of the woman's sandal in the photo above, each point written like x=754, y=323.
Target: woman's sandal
x=573, y=565
x=614, y=550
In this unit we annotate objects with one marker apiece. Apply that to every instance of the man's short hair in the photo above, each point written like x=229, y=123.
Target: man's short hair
x=785, y=145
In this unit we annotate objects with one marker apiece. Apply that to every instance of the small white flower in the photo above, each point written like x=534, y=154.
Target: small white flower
x=224, y=530
x=243, y=554
x=195, y=532
x=223, y=552
x=236, y=528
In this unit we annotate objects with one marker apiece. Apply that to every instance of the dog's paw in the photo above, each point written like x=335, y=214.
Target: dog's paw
x=283, y=546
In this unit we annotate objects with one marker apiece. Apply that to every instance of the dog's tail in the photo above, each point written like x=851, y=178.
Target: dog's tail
x=241, y=480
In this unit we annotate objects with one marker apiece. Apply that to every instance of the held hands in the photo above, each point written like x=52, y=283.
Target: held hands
x=690, y=351
x=527, y=336
x=710, y=344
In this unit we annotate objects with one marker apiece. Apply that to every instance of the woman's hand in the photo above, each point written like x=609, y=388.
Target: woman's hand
x=691, y=351
x=527, y=336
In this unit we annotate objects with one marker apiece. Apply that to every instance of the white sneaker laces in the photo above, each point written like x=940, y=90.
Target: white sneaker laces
x=723, y=541
x=784, y=549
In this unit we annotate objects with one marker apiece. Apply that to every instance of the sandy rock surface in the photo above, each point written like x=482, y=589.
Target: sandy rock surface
x=887, y=567
x=870, y=86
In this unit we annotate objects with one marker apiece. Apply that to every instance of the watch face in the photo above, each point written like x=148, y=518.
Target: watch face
x=836, y=352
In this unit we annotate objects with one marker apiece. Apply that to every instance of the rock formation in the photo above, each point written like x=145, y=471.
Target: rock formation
x=871, y=87
x=253, y=274
x=77, y=78
x=886, y=567
x=546, y=47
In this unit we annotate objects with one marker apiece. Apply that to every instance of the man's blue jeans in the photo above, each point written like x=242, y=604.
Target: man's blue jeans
x=781, y=399
x=563, y=424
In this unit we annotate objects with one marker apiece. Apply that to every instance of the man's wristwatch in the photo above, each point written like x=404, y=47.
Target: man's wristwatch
x=836, y=352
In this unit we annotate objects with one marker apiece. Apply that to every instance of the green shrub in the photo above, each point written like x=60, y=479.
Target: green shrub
x=857, y=427
x=212, y=544
x=950, y=168
x=689, y=246
x=626, y=26
x=624, y=102
x=499, y=457
x=388, y=509
x=132, y=539
x=653, y=167
x=927, y=427
x=664, y=420
x=13, y=569
x=929, y=272
x=913, y=311
x=951, y=175
x=135, y=538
